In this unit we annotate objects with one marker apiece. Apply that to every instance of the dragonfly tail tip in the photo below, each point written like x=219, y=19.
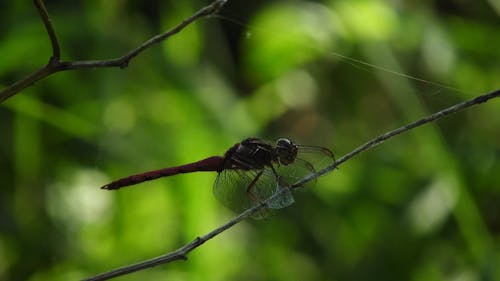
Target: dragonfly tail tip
x=108, y=187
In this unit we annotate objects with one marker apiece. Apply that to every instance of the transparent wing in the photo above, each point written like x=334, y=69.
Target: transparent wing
x=239, y=190
x=309, y=160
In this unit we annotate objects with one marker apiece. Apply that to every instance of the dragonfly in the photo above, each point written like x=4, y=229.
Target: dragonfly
x=250, y=172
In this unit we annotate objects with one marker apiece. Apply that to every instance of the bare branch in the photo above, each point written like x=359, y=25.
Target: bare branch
x=56, y=52
x=55, y=65
x=181, y=253
x=382, y=138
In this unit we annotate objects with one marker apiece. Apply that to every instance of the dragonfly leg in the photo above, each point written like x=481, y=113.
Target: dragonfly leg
x=251, y=186
x=276, y=175
x=254, y=198
x=279, y=179
x=285, y=198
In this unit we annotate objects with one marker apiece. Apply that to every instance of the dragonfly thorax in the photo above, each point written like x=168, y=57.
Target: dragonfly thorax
x=256, y=154
x=250, y=154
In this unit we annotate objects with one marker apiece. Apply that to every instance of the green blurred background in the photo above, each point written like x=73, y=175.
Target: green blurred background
x=424, y=206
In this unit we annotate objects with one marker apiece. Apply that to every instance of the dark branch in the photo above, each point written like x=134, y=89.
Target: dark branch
x=56, y=52
x=382, y=138
x=55, y=65
x=181, y=253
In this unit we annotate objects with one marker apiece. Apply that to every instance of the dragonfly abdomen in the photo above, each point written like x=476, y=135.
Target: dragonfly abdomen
x=214, y=163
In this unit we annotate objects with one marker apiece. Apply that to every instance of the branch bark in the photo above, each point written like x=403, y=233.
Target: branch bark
x=56, y=65
x=42, y=10
x=181, y=253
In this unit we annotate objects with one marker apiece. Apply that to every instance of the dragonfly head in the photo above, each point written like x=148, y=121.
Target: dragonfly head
x=286, y=151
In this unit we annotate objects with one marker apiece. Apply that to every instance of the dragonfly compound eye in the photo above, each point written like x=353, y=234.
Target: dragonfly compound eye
x=286, y=151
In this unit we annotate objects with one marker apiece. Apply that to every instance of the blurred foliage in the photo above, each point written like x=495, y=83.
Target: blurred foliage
x=424, y=206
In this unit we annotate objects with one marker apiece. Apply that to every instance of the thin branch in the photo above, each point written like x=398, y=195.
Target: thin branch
x=56, y=52
x=382, y=138
x=181, y=253
x=55, y=65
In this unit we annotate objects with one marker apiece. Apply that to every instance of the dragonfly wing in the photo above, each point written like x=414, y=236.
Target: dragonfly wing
x=285, y=198
x=229, y=189
x=309, y=160
x=267, y=185
x=241, y=189
x=319, y=157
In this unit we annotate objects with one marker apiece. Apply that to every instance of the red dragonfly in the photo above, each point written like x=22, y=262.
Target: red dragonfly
x=249, y=172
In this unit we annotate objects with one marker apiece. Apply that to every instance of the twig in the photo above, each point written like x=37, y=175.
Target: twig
x=181, y=253
x=382, y=138
x=56, y=65
x=56, y=51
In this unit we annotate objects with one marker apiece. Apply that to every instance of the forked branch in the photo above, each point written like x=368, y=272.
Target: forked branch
x=56, y=65
x=181, y=253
